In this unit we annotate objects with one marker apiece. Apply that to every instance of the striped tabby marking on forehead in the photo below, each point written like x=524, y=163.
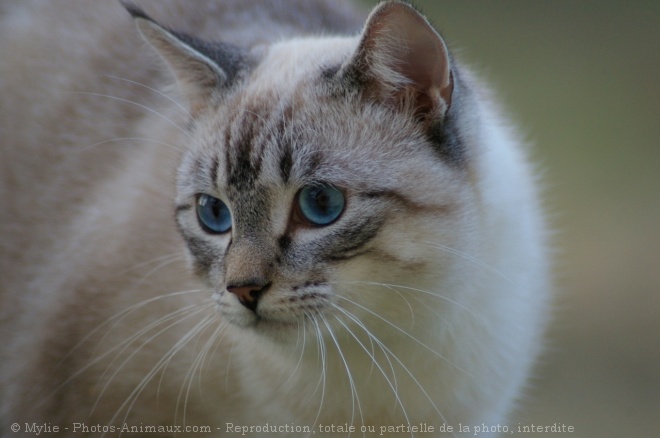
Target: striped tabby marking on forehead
x=286, y=161
x=242, y=162
x=215, y=165
x=286, y=147
x=250, y=129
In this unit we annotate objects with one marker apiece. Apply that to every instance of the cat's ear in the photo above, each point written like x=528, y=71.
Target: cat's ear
x=402, y=61
x=202, y=70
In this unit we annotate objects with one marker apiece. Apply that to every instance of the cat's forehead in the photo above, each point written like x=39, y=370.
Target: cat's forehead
x=285, y=65
x=303, y=136
x=285, y=126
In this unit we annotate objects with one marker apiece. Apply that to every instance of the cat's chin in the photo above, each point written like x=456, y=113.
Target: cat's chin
x=282, y=333
x=276, y=328
x=263, y=324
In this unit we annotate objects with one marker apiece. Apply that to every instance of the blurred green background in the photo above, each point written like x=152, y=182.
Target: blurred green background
x=582, y=81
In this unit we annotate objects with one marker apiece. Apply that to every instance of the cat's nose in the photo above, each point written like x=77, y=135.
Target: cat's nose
x=248, y=293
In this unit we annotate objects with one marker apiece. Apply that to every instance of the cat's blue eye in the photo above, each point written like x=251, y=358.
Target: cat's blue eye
x=321, y=205
x=213, y=214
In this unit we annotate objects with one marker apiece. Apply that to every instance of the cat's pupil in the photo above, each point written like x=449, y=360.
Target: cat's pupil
x=323, y=201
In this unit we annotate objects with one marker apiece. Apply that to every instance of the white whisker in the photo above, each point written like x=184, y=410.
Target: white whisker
x=122, y=346
x=321, y=346
x=399, y=329
x=470, y=258
x=137, y=266
x=132, y=397
x=354, y=394
x=131, y=102
x=392, y=383
x=189, y=377
x=386, y=350
x=414, y=289
x=117, y=319
x=160, y=93
x=191, y=311
x=126, y=139
x=214, y=340
x=301, y=326
x=231, y=351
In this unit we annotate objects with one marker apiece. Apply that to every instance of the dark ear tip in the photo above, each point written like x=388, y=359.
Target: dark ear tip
x=135, y=11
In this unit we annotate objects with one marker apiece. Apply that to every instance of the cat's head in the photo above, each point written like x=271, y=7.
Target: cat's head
x=326, y=177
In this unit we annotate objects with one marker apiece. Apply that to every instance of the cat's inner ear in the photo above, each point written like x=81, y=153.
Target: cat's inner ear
x=202, y=70
x=401, y=60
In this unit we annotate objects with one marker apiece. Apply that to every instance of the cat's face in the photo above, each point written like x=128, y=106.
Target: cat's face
x=314, y=192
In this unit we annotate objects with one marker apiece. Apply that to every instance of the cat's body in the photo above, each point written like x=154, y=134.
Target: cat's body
x=438, y=251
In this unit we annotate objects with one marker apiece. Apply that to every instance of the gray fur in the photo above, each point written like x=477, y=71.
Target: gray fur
x=422, y=301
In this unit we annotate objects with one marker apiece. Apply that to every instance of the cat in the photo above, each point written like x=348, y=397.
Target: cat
x=270, y=219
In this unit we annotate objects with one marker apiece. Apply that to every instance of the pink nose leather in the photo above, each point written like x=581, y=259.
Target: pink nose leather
x=248, y=295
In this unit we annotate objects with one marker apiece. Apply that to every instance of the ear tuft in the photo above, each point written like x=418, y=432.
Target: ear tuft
x=402, y=61
x=201, y=69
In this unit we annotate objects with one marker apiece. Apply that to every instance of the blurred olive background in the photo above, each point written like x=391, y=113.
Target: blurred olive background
x=582, y=81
